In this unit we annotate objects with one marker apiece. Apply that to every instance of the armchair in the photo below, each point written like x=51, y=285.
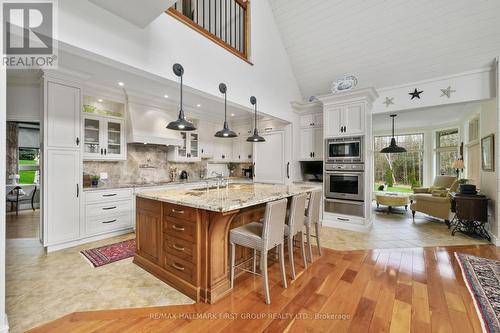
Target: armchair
x=441, y=182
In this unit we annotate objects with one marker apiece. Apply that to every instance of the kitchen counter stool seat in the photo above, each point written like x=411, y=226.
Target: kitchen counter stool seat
x=295, y=227
x=312, y=219
x=262, y=237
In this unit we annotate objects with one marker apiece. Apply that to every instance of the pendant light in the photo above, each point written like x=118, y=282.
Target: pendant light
x=225, y=132
x=255, y=137
x=181, y=124
x=393, y=147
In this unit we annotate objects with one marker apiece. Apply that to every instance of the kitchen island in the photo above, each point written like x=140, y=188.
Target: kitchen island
x=183, y=235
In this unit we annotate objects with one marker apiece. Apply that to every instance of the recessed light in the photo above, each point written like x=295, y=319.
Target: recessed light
x=121, y=84
x=232, y=114
x=100, y=100
x=198, y=105
x=166, y=96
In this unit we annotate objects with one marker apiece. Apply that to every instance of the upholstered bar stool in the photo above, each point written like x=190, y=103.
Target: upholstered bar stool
x=295, y=226
x=262, y=237
x=312, y=218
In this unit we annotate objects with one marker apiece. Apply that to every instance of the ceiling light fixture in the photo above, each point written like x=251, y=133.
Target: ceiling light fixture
x=198, y=105
x=100, y=100
x=121, y=84
x=255, y=137
x=225, y=132
x=166, y=96
x=393, y=148
x=232, y=114
x=181, y=124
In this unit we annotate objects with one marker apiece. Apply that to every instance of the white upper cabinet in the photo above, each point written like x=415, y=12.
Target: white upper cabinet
x=103, y=130
x=242, y=149
x=311, y=120
x=345, y=119
x=205, y=140
x=354, y=116
x=62, y=121
x=311, y=144
x=188, y=151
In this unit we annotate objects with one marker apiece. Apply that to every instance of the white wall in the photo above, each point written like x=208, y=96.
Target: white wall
x=23, y=102
x=470, y=86
x=489, y=185
x=166, y=41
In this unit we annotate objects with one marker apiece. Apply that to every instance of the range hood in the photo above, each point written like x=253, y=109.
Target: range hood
x=148, y=125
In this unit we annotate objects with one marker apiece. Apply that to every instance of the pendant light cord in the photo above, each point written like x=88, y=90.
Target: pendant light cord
x=255, y=127
x=225, y=107
x=182, y=110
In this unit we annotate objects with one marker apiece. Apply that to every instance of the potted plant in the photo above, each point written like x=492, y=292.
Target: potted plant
x=94, y=180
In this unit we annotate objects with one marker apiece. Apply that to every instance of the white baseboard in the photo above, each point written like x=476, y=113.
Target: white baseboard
x=4, y=328
x=347, y=225
x=57, y=247
x=494, y=239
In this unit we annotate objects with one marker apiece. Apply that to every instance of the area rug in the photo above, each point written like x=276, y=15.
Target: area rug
x=482, y=277
x=107, y=254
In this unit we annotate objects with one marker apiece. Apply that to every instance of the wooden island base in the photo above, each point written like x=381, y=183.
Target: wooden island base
x=188, y=247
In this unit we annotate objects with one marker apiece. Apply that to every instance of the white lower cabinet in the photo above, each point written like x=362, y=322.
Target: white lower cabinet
x=62, y=192
x=108, y=211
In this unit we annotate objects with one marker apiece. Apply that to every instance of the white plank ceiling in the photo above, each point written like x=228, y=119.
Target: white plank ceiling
x=386, y=42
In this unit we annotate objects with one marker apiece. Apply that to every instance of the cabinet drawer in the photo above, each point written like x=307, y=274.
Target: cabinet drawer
x=108, y=195
x=179, y=267
x=99, y=224
x=180, y=212
x=180, y=248
x=108, y=208
x=180, y=229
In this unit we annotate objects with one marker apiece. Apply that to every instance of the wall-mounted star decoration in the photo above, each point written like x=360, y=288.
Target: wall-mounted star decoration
x=415, y=93
x=388, y=101
x=447, y=92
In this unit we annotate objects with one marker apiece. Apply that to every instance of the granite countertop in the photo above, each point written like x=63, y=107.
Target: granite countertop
x=236, y=196
x=112, y=186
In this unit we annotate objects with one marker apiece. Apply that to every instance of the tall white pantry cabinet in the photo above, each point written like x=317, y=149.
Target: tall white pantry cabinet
x=61, y=161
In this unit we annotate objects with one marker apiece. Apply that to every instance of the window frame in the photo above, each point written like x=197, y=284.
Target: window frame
x=438, y=149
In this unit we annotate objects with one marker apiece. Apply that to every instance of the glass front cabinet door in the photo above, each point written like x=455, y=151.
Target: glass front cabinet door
x=103, y=130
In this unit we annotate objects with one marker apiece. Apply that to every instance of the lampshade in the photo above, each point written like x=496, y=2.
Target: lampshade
x=225, y=132
x=458, y=164
x=181, y=124
x=393, y=148
x=255, y=137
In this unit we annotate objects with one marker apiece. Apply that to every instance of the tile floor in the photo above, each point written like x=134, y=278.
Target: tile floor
x=395, y=231
x=40, y=287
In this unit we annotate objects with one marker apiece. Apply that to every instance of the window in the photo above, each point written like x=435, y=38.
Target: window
x=28, y=154
x=447, y=143
x=402, y=170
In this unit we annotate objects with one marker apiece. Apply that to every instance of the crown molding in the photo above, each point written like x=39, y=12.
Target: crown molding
x=367, y=94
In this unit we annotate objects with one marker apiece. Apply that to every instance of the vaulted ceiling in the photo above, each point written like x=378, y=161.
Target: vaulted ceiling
x=386, y=43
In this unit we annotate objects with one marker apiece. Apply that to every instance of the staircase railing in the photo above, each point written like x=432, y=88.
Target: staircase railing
x=223, y=21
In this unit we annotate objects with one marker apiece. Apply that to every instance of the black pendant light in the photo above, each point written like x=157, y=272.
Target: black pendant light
x=255, y=137
x=181, y=124
x=393, y=147
x=225, y=132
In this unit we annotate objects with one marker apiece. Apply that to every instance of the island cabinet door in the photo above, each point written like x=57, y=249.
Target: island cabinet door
x=148, y=229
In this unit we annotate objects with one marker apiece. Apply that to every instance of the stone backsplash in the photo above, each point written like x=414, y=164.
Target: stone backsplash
x=147, y=164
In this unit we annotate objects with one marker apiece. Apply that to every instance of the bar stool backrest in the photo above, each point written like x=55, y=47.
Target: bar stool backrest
x=297, y=209
x=274, y=223
x=312, y=215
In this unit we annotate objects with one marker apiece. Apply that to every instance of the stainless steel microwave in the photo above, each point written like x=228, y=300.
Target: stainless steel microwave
x=345, y=150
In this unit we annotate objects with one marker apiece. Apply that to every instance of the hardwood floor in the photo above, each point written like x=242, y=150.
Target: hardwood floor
x=25, y=225
x=389, y=290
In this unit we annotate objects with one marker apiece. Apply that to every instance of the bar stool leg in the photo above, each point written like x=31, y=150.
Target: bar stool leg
x=263, y=268
x=302, y=249
x=281, y=255
x=233, y=246
x=290, y=256
x=254, y=261
x=309, y=247
x=317, y=238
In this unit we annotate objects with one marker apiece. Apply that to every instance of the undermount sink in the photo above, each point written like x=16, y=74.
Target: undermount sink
x=214, y=187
